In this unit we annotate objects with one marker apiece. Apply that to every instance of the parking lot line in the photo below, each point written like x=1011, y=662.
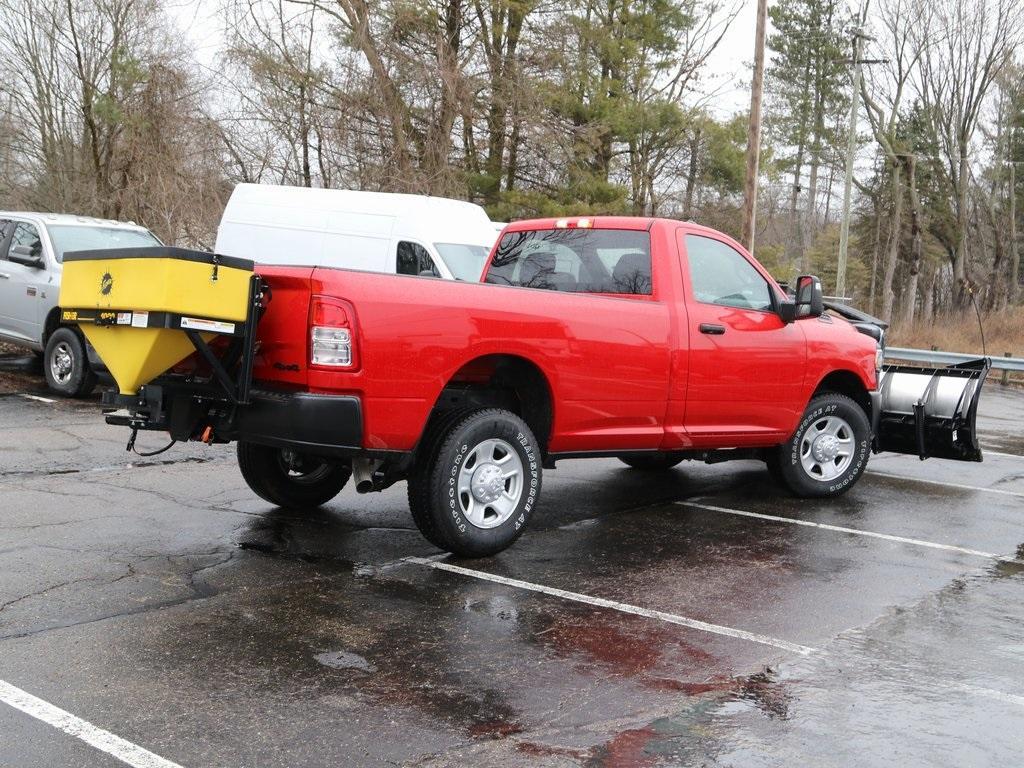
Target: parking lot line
x=105, y=741
x=855, y=531
x=601, y=602
x=990, y=452
x=943, y=483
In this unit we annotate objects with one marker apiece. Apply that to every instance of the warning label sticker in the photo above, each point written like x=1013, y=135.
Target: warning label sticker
x=214, y=326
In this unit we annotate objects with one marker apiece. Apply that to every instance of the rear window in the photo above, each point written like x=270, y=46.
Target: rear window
x=574, y=260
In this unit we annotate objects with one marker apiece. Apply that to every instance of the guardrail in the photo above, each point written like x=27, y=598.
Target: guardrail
x=937, y=357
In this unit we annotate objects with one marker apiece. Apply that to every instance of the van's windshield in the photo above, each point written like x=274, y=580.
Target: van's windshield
x=465, y=262
x=72, y=237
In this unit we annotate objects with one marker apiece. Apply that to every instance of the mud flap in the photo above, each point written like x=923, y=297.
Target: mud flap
x=931, y=412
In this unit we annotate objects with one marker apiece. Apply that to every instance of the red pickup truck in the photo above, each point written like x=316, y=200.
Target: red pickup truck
x=649, y=340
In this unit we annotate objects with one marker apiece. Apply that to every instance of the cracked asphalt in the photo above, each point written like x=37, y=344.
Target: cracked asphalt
x=162, y=601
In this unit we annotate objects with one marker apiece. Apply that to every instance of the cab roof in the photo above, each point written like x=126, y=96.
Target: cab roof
x=69, y=218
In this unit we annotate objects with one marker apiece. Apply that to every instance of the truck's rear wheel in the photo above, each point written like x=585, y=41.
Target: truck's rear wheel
x=66, y=365
x=655, y=461
x=476, y=482
x=291, y=479
x=829, y=450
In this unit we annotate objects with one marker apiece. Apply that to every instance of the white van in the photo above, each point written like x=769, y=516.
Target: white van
x=372, y=231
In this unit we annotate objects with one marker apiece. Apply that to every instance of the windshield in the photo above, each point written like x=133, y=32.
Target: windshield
x=465, y=262
x=71, y=237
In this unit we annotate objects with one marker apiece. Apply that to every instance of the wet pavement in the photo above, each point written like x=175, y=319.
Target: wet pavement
x=163, y=602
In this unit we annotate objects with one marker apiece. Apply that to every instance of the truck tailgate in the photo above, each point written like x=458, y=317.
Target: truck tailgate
x=282, y=339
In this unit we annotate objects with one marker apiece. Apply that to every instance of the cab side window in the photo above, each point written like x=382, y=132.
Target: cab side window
x=721, y=275
x=28, y=235
x=413, y=259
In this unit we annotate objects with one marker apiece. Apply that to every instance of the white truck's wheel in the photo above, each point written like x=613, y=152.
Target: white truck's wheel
x=66, y=365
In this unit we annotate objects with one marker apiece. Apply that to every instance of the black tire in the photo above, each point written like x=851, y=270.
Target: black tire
x=66, y=365
x=289, y=479
x=786, y=462
x=440, y=511
x=655, y=461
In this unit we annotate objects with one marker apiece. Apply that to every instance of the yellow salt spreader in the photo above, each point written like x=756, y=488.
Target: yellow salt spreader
x=145, y=310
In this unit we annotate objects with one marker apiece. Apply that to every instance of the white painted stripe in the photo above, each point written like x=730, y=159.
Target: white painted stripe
x=990, y=452
x=855, y=531
x=37, y=398
x=943, y=483
x=125, y=751
x=601, y=602
x=988, y=693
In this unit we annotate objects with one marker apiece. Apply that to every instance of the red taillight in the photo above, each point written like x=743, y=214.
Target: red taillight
x=332, y=335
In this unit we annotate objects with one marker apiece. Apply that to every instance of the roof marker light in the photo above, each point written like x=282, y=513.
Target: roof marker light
x=584, y=223
x=562, y=224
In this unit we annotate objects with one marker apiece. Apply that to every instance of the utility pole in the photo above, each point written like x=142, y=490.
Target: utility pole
x=851, y=149
x=754, y=130
x=1014, y=253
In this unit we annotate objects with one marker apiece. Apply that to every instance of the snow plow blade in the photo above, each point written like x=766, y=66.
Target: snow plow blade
x=931, y=412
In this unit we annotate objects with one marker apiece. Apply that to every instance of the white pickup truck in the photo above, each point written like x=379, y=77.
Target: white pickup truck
x=32, y=247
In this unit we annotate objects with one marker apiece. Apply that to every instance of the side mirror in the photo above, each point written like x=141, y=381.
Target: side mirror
x=24, y=255
x=810, y=295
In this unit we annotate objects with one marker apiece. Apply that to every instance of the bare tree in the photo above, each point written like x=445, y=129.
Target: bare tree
x=973, y=41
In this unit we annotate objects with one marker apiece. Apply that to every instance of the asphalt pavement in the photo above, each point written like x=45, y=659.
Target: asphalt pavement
x=156, y=613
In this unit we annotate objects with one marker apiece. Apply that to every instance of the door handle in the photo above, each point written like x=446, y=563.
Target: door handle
x=712, y=329
x=4, y=276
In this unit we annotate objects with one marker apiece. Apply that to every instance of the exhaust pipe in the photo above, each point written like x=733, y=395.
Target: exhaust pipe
x=932, y=412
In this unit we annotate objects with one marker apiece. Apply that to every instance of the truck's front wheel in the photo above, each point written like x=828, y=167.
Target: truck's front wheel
x=290, y=479
x=476, y=482
x=829, y=450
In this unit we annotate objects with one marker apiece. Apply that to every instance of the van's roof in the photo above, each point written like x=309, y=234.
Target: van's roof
x=433, y=219
x=69, y=218
x=348, y=197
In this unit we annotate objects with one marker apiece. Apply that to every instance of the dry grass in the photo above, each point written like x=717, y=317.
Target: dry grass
x=1004, y=332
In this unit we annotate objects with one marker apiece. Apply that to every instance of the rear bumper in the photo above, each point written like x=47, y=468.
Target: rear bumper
x=321, y=424
x=328, y=425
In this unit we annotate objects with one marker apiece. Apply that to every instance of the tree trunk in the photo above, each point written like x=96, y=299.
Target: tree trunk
x=928, y=309
x=892, y=256
x=960, y=257
x=796, y=248
x=910, y=294
x=873, y=295
x=691, y=174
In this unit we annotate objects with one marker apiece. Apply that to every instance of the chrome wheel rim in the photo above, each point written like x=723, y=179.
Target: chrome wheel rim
x=62, y=363
x=490, y=483
x=826, y=448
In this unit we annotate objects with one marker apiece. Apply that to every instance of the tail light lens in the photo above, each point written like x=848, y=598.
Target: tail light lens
x=333, y=333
